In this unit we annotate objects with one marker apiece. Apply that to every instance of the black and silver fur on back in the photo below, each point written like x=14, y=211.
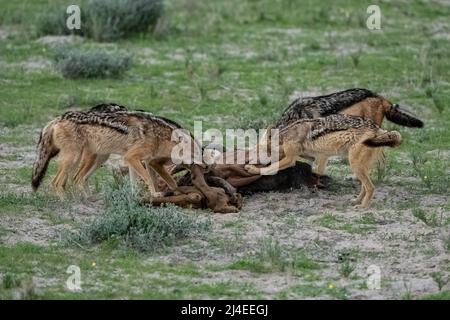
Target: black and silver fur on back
x=108, y=107
x=295, y=177
x=106, y=119
x=322, y=106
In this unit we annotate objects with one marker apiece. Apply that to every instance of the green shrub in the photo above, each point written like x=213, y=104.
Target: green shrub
x=139, y=227
x=108, y=20
x=75, y=63
x=53, y=22
x=105, y=20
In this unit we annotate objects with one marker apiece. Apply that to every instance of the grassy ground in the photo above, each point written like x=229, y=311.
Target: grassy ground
x=234, y=64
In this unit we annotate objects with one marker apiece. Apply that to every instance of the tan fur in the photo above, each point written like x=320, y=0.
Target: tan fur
x=373, y=108
x=45, y=151
x=338, y=135
x=191, y=197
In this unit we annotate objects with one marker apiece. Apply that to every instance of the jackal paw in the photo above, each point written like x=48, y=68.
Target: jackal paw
x=252, y=169
x=226, y=209
x=360, y=206
x=93, y=198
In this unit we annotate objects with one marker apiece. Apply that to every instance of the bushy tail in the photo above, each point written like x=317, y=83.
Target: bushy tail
x=385, y=139
x=399, y=116
x=45, y=151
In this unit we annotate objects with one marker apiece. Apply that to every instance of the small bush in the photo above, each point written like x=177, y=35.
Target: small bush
x=10, y=280
x=75, y=63
x=105, y=20
x=346, y=269
x=139, y=227
x=53, y=22
x=431, y=219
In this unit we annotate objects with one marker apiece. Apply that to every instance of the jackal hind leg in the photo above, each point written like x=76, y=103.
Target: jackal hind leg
x=134, y=181
x=291, y=152
x=67, y=160
x=88, y=164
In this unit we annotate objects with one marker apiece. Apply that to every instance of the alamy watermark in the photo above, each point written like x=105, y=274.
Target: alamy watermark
x=73, y=282
x=373, y=22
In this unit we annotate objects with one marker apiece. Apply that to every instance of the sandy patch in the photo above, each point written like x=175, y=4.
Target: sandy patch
x=147, y=56
x=406, y=250
x=31, y=65
x=24, y=156
x=70, y=39
x=36, y=64
x=285, y=31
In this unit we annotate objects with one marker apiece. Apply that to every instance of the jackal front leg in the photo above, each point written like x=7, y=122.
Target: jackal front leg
x=320, y=164
x=159, y=168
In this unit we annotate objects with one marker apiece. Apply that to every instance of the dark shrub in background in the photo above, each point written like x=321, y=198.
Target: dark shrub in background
x=105, y=20
x=138, y=227
x=75, y=63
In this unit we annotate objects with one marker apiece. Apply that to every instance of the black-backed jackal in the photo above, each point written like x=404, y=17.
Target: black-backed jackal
x=109, y=129
x=355, y=102
x=357, y=138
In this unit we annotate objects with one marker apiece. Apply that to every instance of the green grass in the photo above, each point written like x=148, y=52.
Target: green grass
x=13, y=202
x=444, y=295
x=431, y=219
x=121, y=273
x=136, y=226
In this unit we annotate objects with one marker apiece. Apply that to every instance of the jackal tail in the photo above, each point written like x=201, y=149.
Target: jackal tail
x=399, y=116
x=46, y=150
x=385, y=139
